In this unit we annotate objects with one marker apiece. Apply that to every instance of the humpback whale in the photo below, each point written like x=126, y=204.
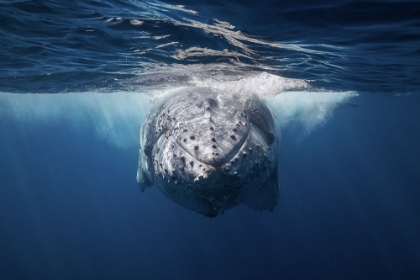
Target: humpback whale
x=210, y=152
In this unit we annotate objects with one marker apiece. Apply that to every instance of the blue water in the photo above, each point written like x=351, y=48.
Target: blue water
x=76, y=78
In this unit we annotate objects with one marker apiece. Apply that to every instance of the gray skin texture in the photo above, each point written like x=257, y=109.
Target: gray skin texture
x=209, y=152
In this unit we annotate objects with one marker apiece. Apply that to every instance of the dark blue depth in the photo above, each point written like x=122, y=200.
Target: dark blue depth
x=69, y=204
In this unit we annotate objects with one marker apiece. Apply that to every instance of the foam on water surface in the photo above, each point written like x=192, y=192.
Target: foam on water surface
x=117, y=116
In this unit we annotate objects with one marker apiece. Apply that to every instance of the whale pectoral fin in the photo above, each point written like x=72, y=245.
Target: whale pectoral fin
x=266, y=197
x=144, y=176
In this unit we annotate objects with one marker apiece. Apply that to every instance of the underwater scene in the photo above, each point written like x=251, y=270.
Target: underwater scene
x=206, y=139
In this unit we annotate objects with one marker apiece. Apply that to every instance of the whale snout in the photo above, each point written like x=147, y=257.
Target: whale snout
x=215, y=134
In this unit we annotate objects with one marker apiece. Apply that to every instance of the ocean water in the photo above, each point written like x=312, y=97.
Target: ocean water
x=78, y=77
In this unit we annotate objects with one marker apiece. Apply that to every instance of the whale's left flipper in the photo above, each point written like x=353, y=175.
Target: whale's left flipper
x=144, y=171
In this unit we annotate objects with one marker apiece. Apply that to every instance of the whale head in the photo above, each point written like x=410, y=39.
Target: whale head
x=209, y=152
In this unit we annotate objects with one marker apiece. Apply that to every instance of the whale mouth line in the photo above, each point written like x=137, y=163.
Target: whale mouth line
x=229, y=156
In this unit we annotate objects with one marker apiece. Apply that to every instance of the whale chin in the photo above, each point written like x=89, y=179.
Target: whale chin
x=210, y=153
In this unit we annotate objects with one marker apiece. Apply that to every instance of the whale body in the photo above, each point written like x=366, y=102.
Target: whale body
x=209, y=152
